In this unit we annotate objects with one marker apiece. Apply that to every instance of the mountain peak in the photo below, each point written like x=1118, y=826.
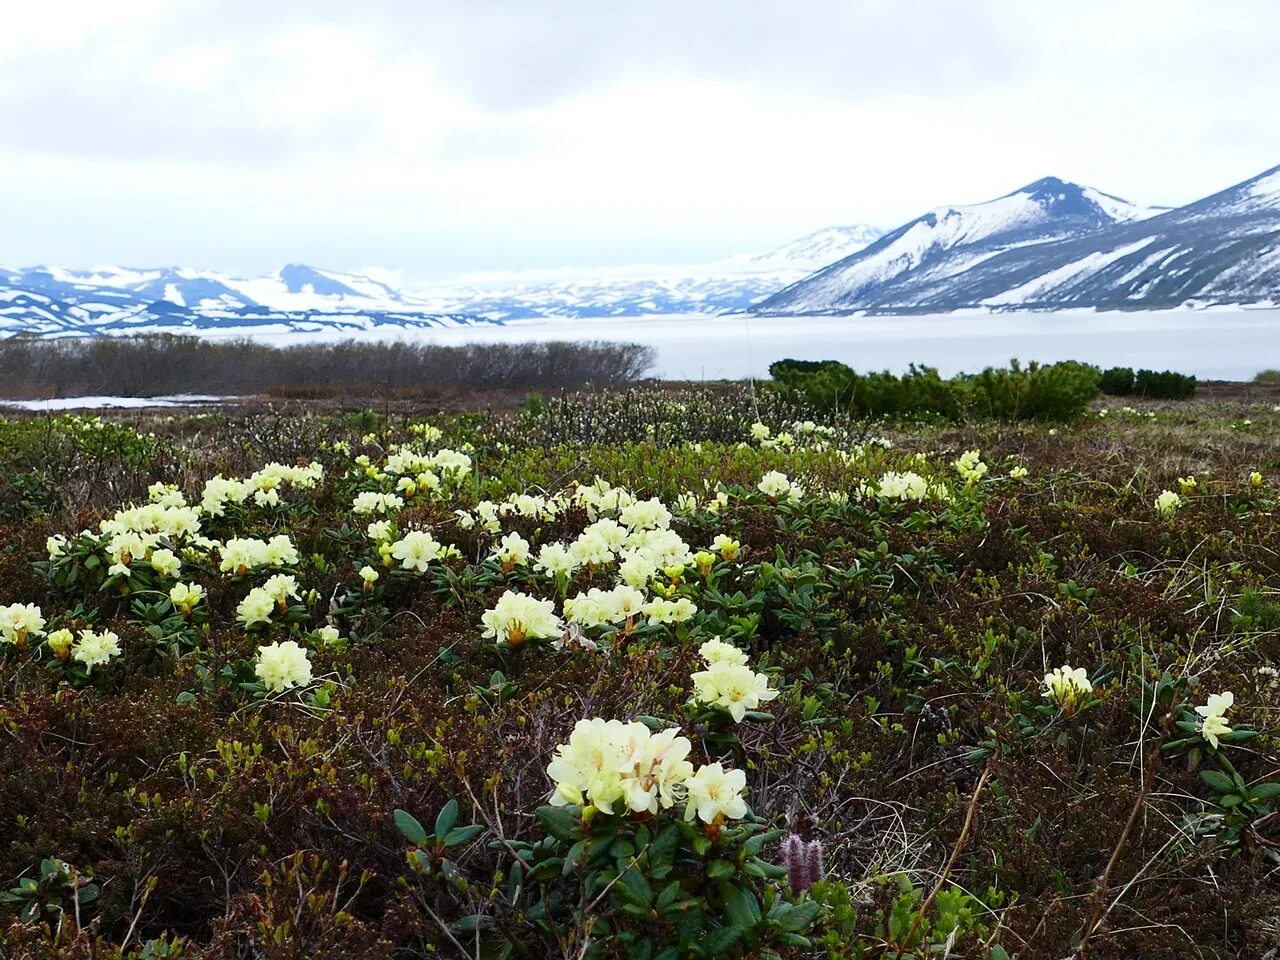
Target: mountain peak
x=297, y=277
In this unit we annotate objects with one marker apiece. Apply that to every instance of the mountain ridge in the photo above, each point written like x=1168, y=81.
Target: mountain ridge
x=1223, y=248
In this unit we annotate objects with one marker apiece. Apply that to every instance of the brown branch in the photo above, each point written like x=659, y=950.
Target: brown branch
x=1148, y=775
x=955, y=855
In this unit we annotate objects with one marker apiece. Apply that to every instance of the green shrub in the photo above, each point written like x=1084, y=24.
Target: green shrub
x=1116, y=382
x=1165, y=385
x=1058, y=391
x=1267, y=378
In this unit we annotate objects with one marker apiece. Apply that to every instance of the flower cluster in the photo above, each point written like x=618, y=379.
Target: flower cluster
x=262, y=601
x=1167, y=503
x=263, y=486
x=240, y=555
x=728, y=682
x=1213, y=715
x=517, y=617
x=902, y=486
x=18, y=621
x=778, y=486
x=970, y=466
x=1067, y=687
x=282, y=666
x=608, y=764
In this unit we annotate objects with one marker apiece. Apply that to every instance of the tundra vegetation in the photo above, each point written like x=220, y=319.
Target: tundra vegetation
x=654, y=672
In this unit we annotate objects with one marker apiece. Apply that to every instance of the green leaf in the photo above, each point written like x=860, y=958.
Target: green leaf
x=461, y=834
x=799, y=917
x=560, y=822
x=740, y=905
x=1218, y=781
x=999, y=953
x=410, y=827
x=720, y=940
x=668, y=895
x=719, y=870
x=634, y=886
x=1264, y=791
x=447, y=817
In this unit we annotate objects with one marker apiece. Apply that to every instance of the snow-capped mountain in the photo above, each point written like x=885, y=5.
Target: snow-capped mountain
x=734, y=283
x=931, y=250
x=1081, y=252
x=53, y=301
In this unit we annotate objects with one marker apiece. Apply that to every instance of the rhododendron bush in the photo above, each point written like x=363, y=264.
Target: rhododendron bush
x=654, y=675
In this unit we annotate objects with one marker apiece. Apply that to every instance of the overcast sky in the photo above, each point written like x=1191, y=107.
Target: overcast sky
x=436, y=137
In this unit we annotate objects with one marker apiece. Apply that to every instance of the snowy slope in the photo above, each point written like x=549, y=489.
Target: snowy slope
x=55, y=301
x=943, y=243
x=734, y=283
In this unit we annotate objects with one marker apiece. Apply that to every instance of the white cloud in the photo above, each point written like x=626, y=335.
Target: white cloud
x=492, y=135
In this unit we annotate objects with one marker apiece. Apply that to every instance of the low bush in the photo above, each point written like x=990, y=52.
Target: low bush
x=1116, y=382
x=1164, y=385
x=1058, y=391
x=158, y=365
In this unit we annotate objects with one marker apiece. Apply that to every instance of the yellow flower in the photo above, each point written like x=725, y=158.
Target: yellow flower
x=734, y=687
x=1066, y=686
x=1214, y=714
x=415, y=550
x=165, y=563
x=282, y=666
x=19, y=621
x=517, y=618
x=716, y=793
x=93, y=648
x=184, y=596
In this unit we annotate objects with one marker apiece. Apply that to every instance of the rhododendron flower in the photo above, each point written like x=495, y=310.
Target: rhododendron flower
x=1255, y=479
x=586, y=768
x=1018, y=472
x=328, y=636
x=716, y=650
x=369, y=576
x=733, y=687
x=645, y=515
x=280, y=588
x=95, y=648
x=1065, y=686
x=379, y=530
x=281, y=552
x=415, y=550
x=716, y=793
x=726, y=546
x=184, y=596
x=368, y=501
x=282, y=666
x=1214, y=714
x=654, y=767
x=255, y=608
x=660, y=610
x=1167, y=503
x=60, y=642
x=970, y=466
x=19, y=621
x=902, y=486
x=517, y=617
x=777, y=485
x=554, y=559
x=165, y=563
x=759, y=431
x=512, y=551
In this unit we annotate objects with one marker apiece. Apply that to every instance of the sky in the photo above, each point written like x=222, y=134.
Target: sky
x=433, y=138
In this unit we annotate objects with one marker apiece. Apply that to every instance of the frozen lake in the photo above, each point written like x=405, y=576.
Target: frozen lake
x=1231, y=344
